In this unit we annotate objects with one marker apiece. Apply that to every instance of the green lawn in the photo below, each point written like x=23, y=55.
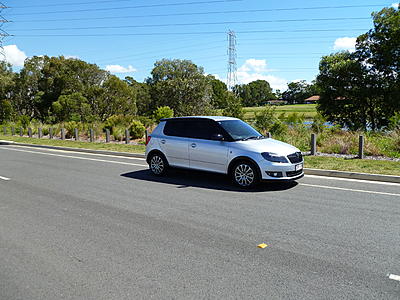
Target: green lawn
x=315, y=162
x=74, y=144
x=309, y=110
x=353, y=165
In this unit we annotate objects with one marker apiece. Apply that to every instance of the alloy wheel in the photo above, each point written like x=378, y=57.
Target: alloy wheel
x=157, y=165
x=244, y=175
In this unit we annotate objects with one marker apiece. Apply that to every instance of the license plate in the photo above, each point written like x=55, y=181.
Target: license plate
x=299, y=167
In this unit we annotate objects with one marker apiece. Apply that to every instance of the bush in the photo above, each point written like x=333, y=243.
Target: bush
x=265, y=119
x=70, y=126
x=147, y=122
x=163, y=112
x=118, y=121
x=318, y=124
x=234, y=107
x=137, y=130
x=118, y=132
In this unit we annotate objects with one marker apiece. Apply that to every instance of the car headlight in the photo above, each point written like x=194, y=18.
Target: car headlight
x=273, y=157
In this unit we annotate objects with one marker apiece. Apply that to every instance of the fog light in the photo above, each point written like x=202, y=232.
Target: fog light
x=274, y=174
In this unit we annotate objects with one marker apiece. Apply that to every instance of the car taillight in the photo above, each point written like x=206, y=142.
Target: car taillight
x=148, y=140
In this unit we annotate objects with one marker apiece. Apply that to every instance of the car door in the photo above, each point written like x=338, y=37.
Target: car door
x=205, y=153
x=175, y=144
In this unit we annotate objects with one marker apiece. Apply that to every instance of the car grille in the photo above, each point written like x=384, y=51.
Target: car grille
x=295, y=158
x=294, y=173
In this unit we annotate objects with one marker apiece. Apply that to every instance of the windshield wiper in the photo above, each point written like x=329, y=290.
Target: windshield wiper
x=251, y=138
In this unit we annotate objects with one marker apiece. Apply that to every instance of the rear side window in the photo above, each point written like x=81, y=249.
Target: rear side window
x=175, y=128
x=192, y=128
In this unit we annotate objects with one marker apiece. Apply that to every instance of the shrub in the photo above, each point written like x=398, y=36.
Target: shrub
x=265, y=119
x=234, y=107
x=118, y=132
x=318, y=124
x=147, y=122
x=163, y=112
x=118, y=121
x=70, y=126
x=137, y=130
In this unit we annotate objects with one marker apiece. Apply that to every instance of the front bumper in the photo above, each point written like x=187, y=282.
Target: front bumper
x=280, y=172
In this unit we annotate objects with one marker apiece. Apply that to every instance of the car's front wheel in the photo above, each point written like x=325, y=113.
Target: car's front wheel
x=245, y=174
x=158, y=164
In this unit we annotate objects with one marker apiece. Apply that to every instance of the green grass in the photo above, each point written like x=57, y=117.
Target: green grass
x=309, y=110
x=74, y=144
x=353, y=165
x=315, y=162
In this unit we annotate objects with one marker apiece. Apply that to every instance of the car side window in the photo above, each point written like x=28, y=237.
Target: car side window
x=175, y=128
x=202, y=129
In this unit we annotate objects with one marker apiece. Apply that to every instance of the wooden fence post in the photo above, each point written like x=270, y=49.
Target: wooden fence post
x=361, y=147
x=313, y=144
x=107, y=135
x=127, y=136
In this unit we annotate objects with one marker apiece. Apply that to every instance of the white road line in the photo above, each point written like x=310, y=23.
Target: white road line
x=75, y=152
x=350, y=190
x=352, y=180
x=4, y=178
x=394, y=277
x=77, y=157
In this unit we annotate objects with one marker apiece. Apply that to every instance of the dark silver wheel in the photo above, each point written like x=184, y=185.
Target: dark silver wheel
x=245, y=174
x=158, y=164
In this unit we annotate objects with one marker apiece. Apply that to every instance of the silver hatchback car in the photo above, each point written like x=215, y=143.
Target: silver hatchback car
x=222, y=145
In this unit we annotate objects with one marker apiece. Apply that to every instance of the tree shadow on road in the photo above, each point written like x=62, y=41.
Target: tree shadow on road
x=185, y=179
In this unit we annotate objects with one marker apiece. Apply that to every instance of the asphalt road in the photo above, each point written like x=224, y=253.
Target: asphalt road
x=83, y=226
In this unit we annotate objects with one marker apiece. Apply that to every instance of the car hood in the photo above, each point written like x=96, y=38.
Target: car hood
x=266, y=145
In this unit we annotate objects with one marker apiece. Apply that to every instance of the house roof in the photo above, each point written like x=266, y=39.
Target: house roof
x=313, y=98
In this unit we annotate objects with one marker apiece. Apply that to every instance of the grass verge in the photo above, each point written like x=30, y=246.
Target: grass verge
x=74, y=144
x=353, y=165
x=315, y=162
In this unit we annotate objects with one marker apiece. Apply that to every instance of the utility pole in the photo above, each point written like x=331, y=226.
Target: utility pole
x=231, y=79
x=3, y=33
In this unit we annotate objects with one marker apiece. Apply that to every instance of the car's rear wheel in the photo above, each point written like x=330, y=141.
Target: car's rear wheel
x=245, y=174
x=158, y=164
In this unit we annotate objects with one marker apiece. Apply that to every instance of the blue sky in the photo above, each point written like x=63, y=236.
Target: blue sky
x=279, y=41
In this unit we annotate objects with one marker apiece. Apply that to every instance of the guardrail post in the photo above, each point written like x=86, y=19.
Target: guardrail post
x=12, y=131
x=127, y=136
x=21, y=131
x=91, y=135
x=146, y=135
x=40, y=133
x=30, y=132
x=313, y=144
x=63, y=133
x=76, y=134
x=107, y=135
x=361, y=147
x=5, y=130
x=50, y=133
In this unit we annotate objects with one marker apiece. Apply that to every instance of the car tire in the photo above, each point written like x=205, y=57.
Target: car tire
x=158, y=164
x=245, y=174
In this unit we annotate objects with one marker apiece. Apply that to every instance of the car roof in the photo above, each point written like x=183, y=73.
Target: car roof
x=215, y=118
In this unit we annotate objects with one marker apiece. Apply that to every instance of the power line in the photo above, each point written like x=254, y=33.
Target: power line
x=128, y=7
x=205, y=13
x=193, y=33
x=73, y=3
x=3, y=33
x=199, y=24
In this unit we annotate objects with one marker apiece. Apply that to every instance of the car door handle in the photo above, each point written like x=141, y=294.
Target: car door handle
x=162, y=141
x=194, y=145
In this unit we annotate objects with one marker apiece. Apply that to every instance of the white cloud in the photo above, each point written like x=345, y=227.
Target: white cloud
x=256, y=69
x=120, y=69
x=395, y=5
x=71, y=57
x=345, y=43
x=14, y=56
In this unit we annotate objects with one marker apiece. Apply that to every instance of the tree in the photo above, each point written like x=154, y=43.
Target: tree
x=144, y=102
x=181, y=85
x=73, y=107
x=234, y=107
x=298, y=91
x=219, y=92
x=163, y=112
x=361, y=90
x=255, y=93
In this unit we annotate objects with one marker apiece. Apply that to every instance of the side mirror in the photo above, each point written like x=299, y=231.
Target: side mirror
x=217, y=137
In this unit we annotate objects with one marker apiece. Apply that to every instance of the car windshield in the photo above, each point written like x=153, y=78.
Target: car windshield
x=240, y=130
